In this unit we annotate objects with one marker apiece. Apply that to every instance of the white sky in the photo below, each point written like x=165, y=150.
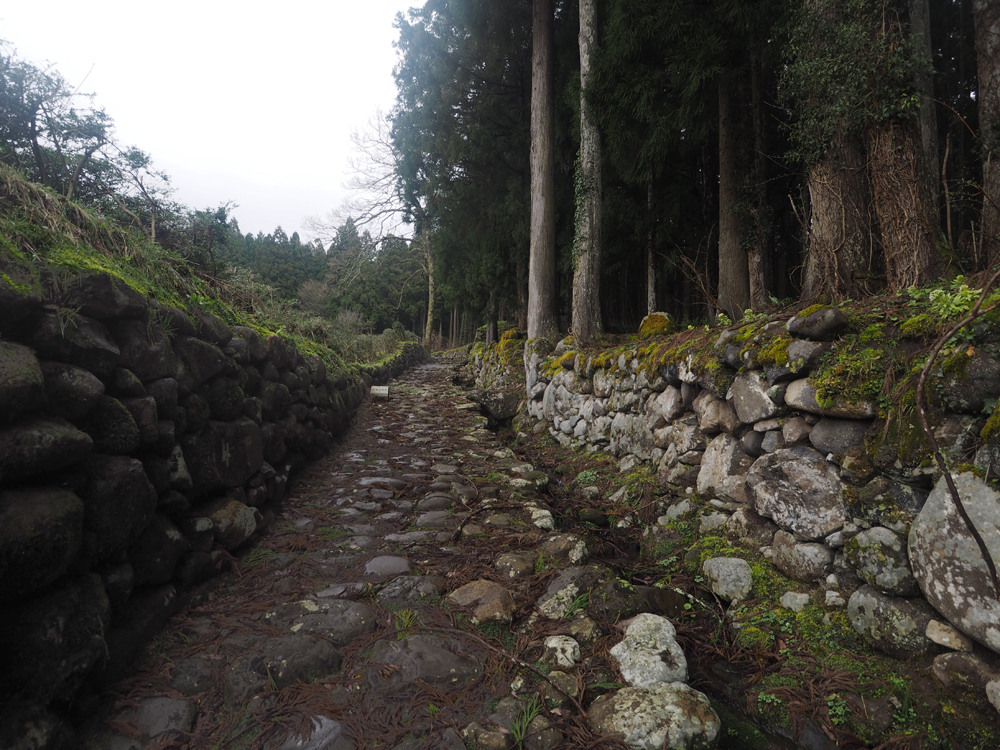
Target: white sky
x=235, y=101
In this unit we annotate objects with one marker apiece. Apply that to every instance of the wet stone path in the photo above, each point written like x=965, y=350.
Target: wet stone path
x=412, y=592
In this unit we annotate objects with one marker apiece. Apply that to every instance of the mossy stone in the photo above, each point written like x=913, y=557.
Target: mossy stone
x=656, y=324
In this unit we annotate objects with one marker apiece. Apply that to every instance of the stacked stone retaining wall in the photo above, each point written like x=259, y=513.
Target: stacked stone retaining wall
x=826, y=488
x=140, y=446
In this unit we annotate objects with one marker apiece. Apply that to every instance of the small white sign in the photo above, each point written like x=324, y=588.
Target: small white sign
x=380, y=392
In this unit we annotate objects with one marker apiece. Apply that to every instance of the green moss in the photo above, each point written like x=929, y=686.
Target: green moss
x=812, y=310
x=656, y=324
x=22, y=288
x=553, y=367
x=920, y=326
x=751, y=636
x=776, y=352
x=511, y=334
x=953, y=364
x=855, y=372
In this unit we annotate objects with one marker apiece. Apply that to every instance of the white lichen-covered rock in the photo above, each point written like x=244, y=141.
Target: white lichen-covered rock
x=878, y=555
x=724, y=467
x=631, y=434
x=947, y=562
x=945, y=634
x=806, y=562
x=687, y=435
x=801, y=395
x=561, y=651
x=799, y=490
x=993, y=693
x=666, y=407
x=730, y=577
x=794, y=601
x=663, y=716
x=895, y=626
x=234, y=523
x=748, y=396
x=649, y=653
x=714, y=414
x=604, y=383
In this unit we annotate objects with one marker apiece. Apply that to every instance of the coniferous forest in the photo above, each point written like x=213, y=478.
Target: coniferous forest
x=571, y=166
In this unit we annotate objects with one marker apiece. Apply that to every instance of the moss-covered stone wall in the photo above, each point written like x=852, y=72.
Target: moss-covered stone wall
x=794, y=445
x=141, y=445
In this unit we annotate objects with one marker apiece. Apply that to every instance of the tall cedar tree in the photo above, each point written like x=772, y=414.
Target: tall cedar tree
x=587, y=255
x=987, y=14
x=542, y=299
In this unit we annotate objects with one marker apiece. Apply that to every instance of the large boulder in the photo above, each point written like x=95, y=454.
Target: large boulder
x=225, y=454
x=111, y=426
x=135, y=623
x=947, y=562
x=487, y=601
x=966, y=384
x=49, y=644
x=500, y=405
x=802, y=395
x=70, y=391
x=723, y=469
x=233, y=522
x=806, y=562
x=40, y=534
x=224, y=397
x=884, y=502
x=155, y=554
x=714, y=414
x=20, y=292
x=802, y=358
x=749, y=396
x=437, y=660
x=590, y=587
x=731, y=578
x=214, y=329
x=652, y=718
x=21, y=380
x=101, y=295
x=666, y=407
x=824, y=324
x=76, y=340
x=656, y=324
x=879, y=557
x=282, y=661
x=25, y=725
x=118, y=502
x=837, y=436
x=37, y=445
x=892, y=625
x=143, y=411
x=649, y=653
x=201, y=359
x=799, y=490
x=256, y=350
x=145, y=349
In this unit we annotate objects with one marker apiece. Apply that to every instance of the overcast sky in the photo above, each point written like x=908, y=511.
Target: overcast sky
x=253, y=105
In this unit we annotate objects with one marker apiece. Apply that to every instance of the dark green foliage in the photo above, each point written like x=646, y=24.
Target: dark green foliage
x=847, y=70
x=460, y=130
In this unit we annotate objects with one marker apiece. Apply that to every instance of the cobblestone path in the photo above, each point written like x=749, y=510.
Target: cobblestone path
x=410, y=579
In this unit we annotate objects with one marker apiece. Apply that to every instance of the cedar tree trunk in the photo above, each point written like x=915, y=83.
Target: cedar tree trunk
x=542, y=247
x=587, y=274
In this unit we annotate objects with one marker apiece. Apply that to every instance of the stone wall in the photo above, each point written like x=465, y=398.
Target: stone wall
x=838, y=494
x=140, y=446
